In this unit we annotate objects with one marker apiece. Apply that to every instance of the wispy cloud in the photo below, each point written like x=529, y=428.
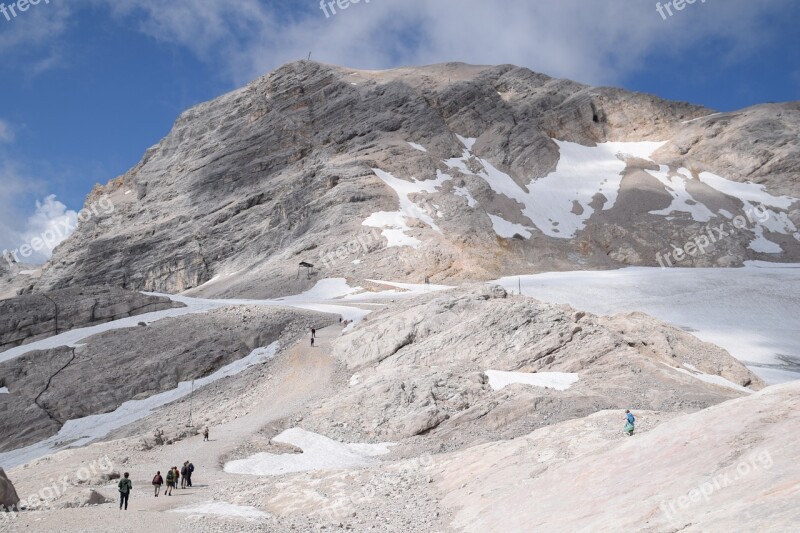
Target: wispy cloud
x=6, y=133
x=593, y=42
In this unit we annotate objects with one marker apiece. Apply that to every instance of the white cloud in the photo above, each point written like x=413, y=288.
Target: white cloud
x=51, y=221
x=6, y=133
x=592, y=42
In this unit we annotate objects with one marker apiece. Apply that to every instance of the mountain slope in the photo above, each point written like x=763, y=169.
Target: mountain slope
x=451, y=171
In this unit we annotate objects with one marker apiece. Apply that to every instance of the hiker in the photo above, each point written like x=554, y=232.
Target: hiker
x=340, y=320
x=313, y=333
x=312, y=341
x=629, y=427
x=205, y=434
x=125, y=488
x=177, y=475
x=189, y=470
x=184, y=474
x=170, y=482
x=157, y=482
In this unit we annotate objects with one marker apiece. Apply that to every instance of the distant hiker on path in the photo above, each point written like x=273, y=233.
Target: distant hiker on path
x=205, y=434
x=629, y=427
x=157, y=482
x=313, y=333
x=125, y=488
x=177, y=475
x=185, y=474
x=170, y=482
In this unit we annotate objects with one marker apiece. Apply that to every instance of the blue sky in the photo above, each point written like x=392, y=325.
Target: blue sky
x=86, y=86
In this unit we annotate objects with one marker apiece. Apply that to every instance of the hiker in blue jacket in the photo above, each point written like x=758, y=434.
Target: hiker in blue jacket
x=629, y=427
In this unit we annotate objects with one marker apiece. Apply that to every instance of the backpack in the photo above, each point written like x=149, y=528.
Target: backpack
x=158, y=480
x=190, y=468
x=170, y=476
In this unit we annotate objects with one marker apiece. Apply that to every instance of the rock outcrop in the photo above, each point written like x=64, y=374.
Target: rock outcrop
x=496, y=170
x=8, y=495
x=32, y=317
x=49, y=387
x=715, y=470
x=421, y=369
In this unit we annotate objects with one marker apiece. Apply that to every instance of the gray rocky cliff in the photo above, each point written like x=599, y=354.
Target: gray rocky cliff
x=288, y=169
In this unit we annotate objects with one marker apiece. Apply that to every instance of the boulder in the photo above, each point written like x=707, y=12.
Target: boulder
x=8, y=494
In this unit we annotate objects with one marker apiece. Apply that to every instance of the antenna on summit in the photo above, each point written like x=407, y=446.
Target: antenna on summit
x=309, y=57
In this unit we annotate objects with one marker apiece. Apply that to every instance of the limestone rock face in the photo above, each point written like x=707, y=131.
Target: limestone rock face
x=32, y=317
x=8, y=495
x=47, y=388
x=422, y=366
x=450, y=171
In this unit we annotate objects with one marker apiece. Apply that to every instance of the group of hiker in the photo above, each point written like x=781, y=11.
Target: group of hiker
x=174, y=477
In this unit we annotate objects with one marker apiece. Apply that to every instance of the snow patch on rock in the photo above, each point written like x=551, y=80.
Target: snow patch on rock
x=221, y=509
x=319, y=453
x=499, y=379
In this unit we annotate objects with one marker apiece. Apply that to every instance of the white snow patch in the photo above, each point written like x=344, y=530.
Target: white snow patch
x=356, y=261
x=409, y=289
x=727, y=214
x=3, y=390
x=750, y=192
x=355, y=379
x=507, y=229
x=763, y=245
x=221, y=509
x=319, y=453
x=419, y=147
x=468, y=142
x=558, y=204
x=700, y=118
x=28, y=272
x=756, y=200
x=464, y=193
x=499, y=379
x=324, y=289
x=83, y=431
x=128, y=192
x=711, y=378
x=394, y=223
x=582, y=173
x=682, y=201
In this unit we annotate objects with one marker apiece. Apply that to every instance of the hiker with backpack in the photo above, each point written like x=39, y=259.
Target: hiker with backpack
x=157, y=482
x=177, y=475
x=631, y=421
x=170, y=482
x=184, y=474
x=125, y=487
x=189, y=470
x=205, y=434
